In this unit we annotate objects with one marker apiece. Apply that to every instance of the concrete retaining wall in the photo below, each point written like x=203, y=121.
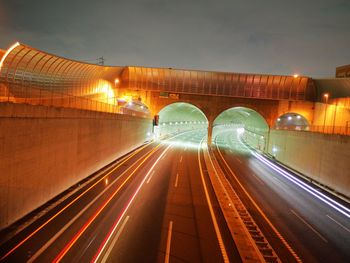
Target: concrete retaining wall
x=45, y=150
x=324, y=158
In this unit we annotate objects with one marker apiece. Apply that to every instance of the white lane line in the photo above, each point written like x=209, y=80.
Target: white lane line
x=211, y=209
x=238, y=160
x=163, y=156
x=104, y=244
x=347, y=229
x=291, y=250
x=63, y=229
x=181, y=159
x=176, y=180
x=115, y=239
x=168, y=242
x=150, y=177
x=310, y=226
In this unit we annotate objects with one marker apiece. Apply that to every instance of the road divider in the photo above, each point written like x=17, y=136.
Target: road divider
x=273, y=228
x=211, y=210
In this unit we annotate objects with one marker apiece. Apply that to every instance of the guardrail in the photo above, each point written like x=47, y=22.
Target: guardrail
x=339, y=130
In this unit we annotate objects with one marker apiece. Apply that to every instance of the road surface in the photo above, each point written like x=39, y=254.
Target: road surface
x=151, y=206
x=314, y=230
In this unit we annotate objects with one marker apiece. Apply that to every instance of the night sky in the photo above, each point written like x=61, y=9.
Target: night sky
x=309, y=37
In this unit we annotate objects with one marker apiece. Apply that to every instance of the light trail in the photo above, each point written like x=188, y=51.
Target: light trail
x=278, y=234
x=334, y=204
x=65, y=250
x=116, y=224
x=324, y=198
x=69, y=204
x=77, y=216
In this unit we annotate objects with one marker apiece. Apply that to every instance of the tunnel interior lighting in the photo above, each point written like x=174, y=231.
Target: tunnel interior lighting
x=279, y=119
x=295, y=75
x=298, y=117
x=240, y=130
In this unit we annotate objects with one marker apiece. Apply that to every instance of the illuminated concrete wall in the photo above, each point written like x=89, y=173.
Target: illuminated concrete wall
x=45, y=150
x=324, y=158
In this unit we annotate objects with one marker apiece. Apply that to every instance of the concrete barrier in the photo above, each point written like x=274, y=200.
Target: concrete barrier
x=323, y=158
x=45, y=150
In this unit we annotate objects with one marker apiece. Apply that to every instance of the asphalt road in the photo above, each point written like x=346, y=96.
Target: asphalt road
x=313, y=229
x=151, y=206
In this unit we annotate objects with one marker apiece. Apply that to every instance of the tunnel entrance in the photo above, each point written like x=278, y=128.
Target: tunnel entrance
x=180, y=117
x=246, y=122
x=291, y=121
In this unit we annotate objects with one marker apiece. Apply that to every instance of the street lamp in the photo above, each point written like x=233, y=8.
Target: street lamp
x=325, y=96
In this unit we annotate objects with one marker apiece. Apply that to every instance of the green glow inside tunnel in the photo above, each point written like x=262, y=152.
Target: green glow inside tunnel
x=178, y=117
x=253, y=126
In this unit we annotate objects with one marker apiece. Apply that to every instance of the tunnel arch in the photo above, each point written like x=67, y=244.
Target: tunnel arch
x=180, y=116
x=292, y=121
x=253, y=126
x=249, y=106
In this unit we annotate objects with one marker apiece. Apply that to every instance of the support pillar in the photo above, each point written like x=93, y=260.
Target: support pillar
x=210, y=133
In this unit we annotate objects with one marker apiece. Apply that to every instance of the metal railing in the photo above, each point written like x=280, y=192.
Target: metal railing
x=339, y=130
x=36, y=96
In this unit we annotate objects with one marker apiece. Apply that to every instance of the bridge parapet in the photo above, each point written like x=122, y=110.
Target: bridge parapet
x=256, y=86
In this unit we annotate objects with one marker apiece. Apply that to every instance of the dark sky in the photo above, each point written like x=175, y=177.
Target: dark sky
x=310, y=37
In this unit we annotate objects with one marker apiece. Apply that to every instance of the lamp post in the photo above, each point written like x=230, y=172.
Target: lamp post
x=334, y=116
x=325, y=96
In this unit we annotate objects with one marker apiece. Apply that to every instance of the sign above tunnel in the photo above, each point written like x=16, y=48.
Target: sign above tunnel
x=174, y=96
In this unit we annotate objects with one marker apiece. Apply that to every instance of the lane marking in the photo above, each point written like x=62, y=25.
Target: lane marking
x=163, y=156
x=168, y=242
x=65, y=250
x=72, y=202
x=278, y=234
x=347, y=229
x=176, y=180
x=149, y=179
x=63, y=229
x=310, y=226
x=117, y=222
x=238, y=160
x=181, y=159
x=115, y=239
x=211, y=210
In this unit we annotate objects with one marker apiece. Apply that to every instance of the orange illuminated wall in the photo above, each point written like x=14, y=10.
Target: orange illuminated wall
x=220, y=83
x=24, y=69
